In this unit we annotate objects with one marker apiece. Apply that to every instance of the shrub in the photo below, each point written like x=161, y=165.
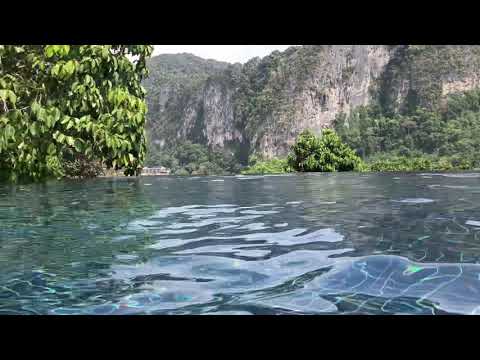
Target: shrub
x=273, y=166
x=325, y=154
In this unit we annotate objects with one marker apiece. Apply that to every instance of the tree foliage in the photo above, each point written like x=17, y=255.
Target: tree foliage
x=391, y=162
x=62, y=105
x=448, y=135
x=187, y=158
x=325, y=154
x=272, y=166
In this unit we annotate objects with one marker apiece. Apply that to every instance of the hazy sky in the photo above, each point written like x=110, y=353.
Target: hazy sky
x=229, y=53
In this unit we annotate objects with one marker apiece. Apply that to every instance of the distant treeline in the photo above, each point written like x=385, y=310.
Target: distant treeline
x=444, y=139
x=188, y=158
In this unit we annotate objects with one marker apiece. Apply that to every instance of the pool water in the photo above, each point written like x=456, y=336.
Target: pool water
x=296, y=244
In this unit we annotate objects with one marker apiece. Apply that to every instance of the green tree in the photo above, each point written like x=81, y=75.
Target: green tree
x=63, y=107
x=325, y=154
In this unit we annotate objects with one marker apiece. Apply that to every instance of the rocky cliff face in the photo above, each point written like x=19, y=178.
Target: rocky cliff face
x=261, y=106
x=337, y=80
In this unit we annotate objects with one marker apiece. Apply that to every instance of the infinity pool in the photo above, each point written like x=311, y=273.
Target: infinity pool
x=299, y=244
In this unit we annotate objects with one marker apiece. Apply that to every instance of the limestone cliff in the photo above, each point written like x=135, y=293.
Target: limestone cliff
x=261, y=106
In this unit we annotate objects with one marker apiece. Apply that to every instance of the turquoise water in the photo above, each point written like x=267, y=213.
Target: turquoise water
x=298, y=244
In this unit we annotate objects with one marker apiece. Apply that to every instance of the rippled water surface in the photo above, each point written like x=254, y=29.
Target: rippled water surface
x=300, y=244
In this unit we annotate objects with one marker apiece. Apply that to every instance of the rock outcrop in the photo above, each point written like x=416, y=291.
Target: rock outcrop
x=261, y=106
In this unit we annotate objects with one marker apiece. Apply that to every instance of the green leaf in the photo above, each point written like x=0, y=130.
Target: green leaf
x=34, y=129
x=69, y=68
x=65, y=49
x=8, y=95
x=48, y=120
x=56, y=70
x=49, y=51
x=85, y=119
x=12, y=97
x=60, y=50
x=9, y=131
x=56, y=115
x=35, y=107
x=51, y=149
x=78, y=145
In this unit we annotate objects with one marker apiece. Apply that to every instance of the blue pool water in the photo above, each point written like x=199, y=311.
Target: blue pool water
x=297, y=244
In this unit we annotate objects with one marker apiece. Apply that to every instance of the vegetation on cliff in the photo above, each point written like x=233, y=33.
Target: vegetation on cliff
x=178, y=96
x=175, y=86
x=68, y=109
x=425, y=69
x=441, y=139
x=274, y=98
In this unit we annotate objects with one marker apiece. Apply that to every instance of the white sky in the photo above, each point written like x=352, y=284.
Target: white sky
x=228, y=53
